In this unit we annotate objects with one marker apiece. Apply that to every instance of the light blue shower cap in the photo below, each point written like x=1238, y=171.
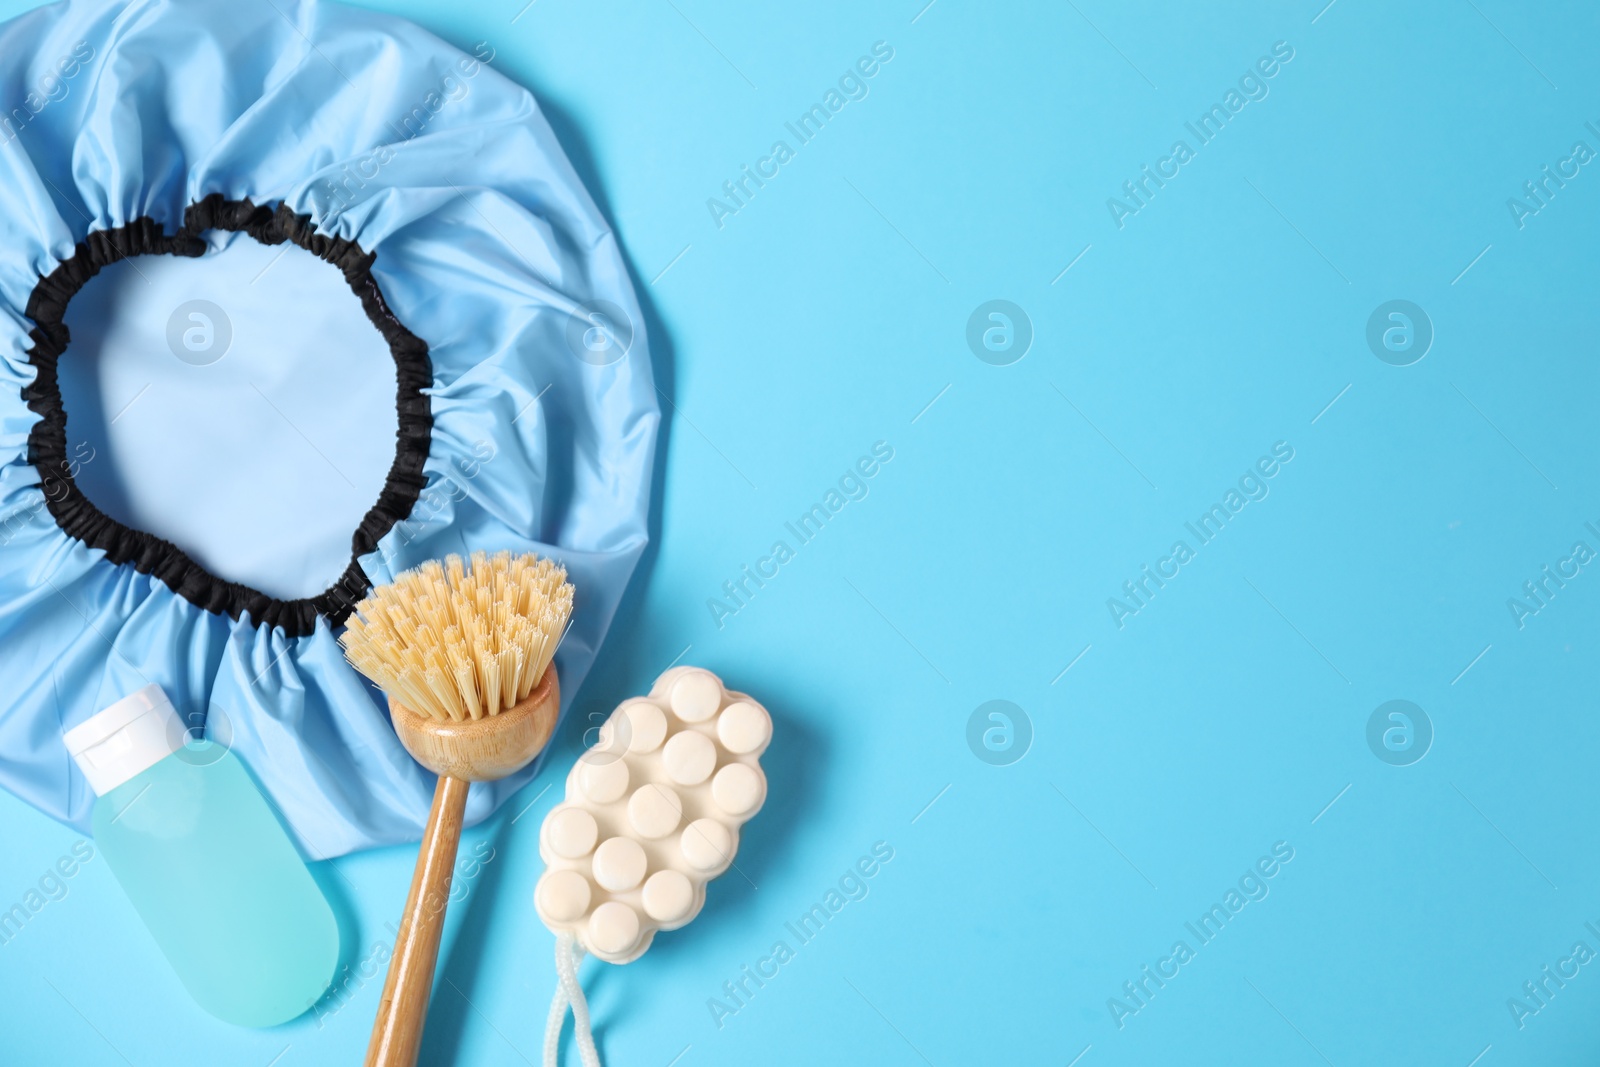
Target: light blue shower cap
x=442, y=207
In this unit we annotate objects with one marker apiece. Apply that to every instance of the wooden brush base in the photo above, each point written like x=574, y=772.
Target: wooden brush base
x=486, y=749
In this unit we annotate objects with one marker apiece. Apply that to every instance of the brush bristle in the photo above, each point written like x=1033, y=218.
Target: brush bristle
x=461, y=640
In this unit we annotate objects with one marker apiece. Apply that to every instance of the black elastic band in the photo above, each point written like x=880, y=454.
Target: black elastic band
x=47, y=443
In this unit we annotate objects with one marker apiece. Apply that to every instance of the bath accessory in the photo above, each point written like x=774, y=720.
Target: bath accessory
x=463, y=651
x=187, y=145
x=206, y=864
x=652, y=813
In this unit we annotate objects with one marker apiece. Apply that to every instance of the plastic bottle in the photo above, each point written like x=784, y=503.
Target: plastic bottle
x=206, y=864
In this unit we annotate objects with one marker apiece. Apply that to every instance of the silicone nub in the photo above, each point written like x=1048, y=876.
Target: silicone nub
x=572, y=832
x=696, y=696
x=689, y=757
x=654, y=811
x=668, y=896
x=619, y=864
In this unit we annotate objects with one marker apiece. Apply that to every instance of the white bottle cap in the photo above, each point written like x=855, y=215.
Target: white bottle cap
x=125, y=739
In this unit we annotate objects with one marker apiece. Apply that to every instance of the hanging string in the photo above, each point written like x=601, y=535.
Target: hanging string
x=569, y=994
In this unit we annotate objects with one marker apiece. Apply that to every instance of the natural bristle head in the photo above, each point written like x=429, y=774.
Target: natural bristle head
x=461, y=639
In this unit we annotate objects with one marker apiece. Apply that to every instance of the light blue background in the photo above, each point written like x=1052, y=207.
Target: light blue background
x=1226, y=716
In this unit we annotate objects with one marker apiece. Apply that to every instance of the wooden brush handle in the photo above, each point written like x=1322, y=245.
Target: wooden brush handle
x=397, y=1033
x=474, y=750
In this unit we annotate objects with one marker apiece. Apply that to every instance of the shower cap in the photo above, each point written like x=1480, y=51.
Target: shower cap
x=432, y=217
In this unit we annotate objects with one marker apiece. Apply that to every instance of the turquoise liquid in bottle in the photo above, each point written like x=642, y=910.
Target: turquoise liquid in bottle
x=206, y=864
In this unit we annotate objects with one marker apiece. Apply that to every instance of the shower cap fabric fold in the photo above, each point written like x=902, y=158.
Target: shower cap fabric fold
x=434, y=189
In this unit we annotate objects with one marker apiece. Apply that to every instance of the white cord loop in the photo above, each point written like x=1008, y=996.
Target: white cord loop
x=569, y=993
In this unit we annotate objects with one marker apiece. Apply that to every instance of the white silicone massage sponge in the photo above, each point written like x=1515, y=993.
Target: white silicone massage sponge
x=652, y=813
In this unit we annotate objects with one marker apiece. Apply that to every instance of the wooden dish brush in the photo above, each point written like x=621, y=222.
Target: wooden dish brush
x=463, y=652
